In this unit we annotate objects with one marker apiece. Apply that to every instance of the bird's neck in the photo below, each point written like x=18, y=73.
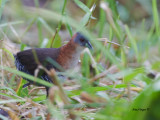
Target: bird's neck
x=69, y=55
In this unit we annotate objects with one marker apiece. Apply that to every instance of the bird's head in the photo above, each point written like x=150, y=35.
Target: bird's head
x=82, y=41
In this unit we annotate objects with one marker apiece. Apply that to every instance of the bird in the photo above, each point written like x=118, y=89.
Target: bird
x=4, y=113
x=66, y=57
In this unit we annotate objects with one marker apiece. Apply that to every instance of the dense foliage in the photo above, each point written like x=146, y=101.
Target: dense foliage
x=119, y=79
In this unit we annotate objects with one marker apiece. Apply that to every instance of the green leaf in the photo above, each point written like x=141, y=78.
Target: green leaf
x=155, y=16
x=133, y=74
x=11, y=23
x=30, y=77
x=133, y=42
x=44, y=43
x=40, y=98
x=23, y=92
x=148, y=101
x=40, y=33
x=88, y=11
x=82, y=6
x=7, y=95
x=68, y=26
x=156, y=65
x=85, y=65
x=85, y=19
x=9, y=89
x=45, y=24
x=57, y=42
x=22, y=46
x=9, y=52
x=96, y=89
x=11, y=101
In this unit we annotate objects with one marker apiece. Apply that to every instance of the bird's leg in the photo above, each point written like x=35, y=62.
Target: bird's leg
x=25, y=85
x=47, y=91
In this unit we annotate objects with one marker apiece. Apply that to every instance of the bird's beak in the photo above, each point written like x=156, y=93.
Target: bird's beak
x=88, y=44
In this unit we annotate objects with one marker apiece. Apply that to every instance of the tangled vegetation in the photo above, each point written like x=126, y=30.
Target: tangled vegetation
x=119, y=79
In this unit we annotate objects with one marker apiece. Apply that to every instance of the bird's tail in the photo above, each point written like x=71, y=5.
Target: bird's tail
x=15, y=56
x=16, y=61
x=18, y=64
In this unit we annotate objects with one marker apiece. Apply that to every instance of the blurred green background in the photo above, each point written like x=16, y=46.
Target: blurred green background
x=113, y=82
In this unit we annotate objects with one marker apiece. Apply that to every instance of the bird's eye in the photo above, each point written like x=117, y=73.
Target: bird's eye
x=82, y=40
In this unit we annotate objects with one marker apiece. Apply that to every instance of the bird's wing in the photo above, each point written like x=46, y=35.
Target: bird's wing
x=27, y=58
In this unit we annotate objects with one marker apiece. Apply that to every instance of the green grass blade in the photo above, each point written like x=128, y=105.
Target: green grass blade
x=37, y=80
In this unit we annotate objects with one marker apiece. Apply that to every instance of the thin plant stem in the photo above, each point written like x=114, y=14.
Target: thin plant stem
x=60, y=23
